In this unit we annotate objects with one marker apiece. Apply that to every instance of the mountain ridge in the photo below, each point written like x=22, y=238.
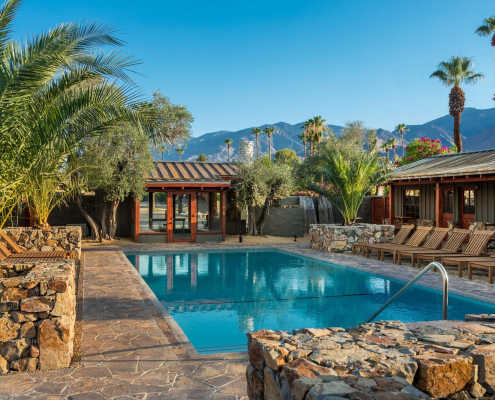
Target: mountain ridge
x=477, y=128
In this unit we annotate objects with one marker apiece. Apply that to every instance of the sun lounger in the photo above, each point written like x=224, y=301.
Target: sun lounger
x=450, y=248
x=399, y=238
x=488, y=265
x=20, y=255
x=414, y=241
x=433, y=243
x=471, y=254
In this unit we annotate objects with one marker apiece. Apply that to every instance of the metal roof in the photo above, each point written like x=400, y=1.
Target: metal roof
x=188, y=171
x=456, y=164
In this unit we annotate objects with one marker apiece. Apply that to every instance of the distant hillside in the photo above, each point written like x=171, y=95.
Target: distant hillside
x=477, y=127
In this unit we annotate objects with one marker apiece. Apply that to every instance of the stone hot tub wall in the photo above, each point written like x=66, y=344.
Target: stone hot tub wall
x=56, y=238
x=382, y=360
x=338, y=238
x=37, y=315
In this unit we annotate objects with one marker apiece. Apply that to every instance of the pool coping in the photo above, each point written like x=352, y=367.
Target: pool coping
x=387, y=270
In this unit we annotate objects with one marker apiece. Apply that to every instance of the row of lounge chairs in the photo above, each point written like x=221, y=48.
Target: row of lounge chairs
x=425, y=245
x=18, y=254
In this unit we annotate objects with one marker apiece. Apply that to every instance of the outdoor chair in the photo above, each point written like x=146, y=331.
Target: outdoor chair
x=415, y=240
x=432, y=243
x=475, y=247
x=451, y=246
x=487, y=265
x=399, y=238
x=19, y=254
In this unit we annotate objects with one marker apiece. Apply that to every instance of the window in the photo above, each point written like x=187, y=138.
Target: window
x=448, y=201
x=153, y=212
x=231, y=208
x=209, y=212
x=468, y=201
x=411, y=203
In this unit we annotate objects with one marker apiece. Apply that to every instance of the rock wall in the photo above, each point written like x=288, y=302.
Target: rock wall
x=37, y=315
x=60, y=238
x=382, y=360
x=338, y=238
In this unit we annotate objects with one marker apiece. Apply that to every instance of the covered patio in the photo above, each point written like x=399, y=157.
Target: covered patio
x=185, y=202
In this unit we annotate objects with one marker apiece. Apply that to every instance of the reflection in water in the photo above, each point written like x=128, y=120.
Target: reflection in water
x=216, y=297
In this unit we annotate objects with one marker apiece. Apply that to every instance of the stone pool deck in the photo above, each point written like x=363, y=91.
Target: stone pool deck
x=130, y=352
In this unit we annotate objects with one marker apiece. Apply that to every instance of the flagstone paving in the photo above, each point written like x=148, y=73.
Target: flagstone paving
x=129, y=351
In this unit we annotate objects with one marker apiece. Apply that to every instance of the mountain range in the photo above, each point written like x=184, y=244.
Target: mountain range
x=477, y=129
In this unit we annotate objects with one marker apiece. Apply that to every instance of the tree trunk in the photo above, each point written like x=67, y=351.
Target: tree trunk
x=388, y=156
x=304, y=145
x=270, y=147
x=104, y=227
x=251, y=221
x=457, y=132
x=402, y=139
x=257, y=148
x=113, y=218
x=228, y=153
x=395, y=155
x=260, y=224
x=95, y=231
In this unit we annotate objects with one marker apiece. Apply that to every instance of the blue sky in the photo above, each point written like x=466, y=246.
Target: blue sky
x=238, y=64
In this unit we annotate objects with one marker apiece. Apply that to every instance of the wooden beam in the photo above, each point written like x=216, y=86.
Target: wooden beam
x=484, y=178
x=189, y=185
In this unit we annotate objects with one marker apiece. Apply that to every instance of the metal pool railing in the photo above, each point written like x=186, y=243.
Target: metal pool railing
x=412, y=282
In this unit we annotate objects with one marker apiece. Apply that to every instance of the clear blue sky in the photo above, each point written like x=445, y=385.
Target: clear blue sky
x=238, y=64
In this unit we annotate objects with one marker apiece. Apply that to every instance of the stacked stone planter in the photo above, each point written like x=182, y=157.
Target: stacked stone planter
x=67, y=238
x=37, y=315
x=338, y=238
x=377, y=361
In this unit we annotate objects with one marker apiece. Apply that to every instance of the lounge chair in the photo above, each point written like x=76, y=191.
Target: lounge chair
x=471, y=254
x=450, y=248
x=399, y=238
x=432, y=243
x=18, y=254
x=415, y=240
x=488, y=265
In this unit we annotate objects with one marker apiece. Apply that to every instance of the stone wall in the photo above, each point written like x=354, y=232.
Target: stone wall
x=338, y=238
x=37, y=315
x=382, y=360
x=59, y=238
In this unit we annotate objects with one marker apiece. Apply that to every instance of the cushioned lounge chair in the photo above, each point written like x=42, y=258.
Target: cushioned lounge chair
x=452, y=246
x=476, y=246
x=432, y=243
x=399, y=238
x=415, y=240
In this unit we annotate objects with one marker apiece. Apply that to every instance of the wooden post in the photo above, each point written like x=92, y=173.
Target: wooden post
x=391, y=205
x=170, y=216
x=137, y=216
x=437, y=204
x=222, y=206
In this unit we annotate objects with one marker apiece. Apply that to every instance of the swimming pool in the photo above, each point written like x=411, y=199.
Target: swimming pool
x=217, y=296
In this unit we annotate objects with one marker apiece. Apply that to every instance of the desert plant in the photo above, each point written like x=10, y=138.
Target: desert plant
x=256, y=132
x=269, y=131
x=400, y=129
x=180, y=151
x=228, y=142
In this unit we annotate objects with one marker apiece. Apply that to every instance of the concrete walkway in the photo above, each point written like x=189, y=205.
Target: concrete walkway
x=129, y=351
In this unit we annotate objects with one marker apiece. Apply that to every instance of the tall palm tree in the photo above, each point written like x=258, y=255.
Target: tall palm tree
x=452, y=73
x=304, y=138
x=386, y=147
x=400, y=129
x=269, y=130
x=487, y=29
x=307, y=126
x=256, y=132
x=180, y=151
x=393, y=144
x=228, y=142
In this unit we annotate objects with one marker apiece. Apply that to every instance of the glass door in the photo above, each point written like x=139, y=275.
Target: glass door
x=183, y=214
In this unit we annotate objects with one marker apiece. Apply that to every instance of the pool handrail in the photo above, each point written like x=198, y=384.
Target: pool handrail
x=431, y=265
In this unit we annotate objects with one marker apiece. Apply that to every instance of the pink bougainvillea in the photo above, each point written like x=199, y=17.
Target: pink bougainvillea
x=421, y=148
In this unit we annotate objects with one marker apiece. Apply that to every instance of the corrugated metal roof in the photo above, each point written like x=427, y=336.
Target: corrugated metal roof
x=467, y=163
x=187, y=171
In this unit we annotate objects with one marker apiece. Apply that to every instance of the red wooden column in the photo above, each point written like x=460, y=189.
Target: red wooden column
x=137, y=207
x=222, y=205
x=170, y=216
x=438, y=193
x=391, y=205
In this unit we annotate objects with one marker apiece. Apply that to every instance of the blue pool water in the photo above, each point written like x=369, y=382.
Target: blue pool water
x=216, y=297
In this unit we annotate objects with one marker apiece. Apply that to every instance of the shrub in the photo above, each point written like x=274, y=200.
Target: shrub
x=421, y=148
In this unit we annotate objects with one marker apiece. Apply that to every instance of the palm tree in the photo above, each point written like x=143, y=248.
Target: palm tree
x=319, y=127
x=306, y=128
x=228, y=142
x=303, y=137
x=401, y=128
x=386, y=147
x=256, y=132
x=180, y=151
x=269, y=130
x=487, y=29
x=452, y=73
x=393, y=144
